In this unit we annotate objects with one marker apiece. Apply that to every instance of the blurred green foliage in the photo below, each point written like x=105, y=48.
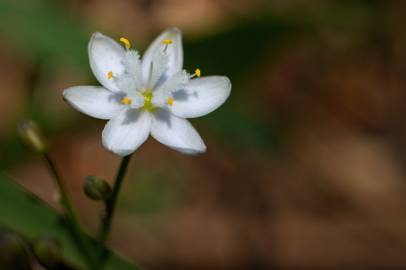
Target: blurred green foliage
x=27, y=215
x=43, y=29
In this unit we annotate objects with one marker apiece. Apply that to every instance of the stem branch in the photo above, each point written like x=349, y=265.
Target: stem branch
x=70, y=213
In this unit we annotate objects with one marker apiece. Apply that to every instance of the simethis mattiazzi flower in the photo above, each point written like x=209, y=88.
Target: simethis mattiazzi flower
x=152, y=95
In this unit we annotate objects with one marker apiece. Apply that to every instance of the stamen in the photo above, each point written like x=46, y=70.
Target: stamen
x=109, y=75
x=166, y=42
x=126, y=101
x=151, y=67
x=169, y=101
x=126, y=42
x=197, y=73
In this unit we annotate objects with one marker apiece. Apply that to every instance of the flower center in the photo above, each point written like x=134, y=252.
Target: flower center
x=148, y=105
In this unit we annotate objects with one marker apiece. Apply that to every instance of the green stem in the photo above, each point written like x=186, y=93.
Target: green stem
x=70, y=213
x=111, y=205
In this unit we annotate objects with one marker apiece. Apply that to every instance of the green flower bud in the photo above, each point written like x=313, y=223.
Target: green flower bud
x=96, y=188
x=13, y=251
x=48, y=251
x=32, y=136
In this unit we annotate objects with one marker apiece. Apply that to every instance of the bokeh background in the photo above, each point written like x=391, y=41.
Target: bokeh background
x=306, y=162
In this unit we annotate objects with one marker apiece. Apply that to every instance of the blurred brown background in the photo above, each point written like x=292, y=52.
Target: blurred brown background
x=306, y=163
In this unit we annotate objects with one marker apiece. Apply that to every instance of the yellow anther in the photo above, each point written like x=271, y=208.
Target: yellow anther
x=110, y=75
x=198, y=73
x=167, y=41
x=169, y=101
x=126, y=101
x=126, y=42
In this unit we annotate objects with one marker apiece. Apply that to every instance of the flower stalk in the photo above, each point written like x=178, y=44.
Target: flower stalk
x=110, y=204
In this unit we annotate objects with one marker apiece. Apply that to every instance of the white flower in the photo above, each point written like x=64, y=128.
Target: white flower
x=149, y=96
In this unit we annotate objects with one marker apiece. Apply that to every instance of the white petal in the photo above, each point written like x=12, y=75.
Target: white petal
x=164, y=91
x=176, y=133
x=174, y=51
x=105, y=55
x=94, y=101
x=127, y=131
x=176, y=82
x=201, y=96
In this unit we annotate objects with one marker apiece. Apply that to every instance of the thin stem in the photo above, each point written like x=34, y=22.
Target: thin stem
x=70, y=214
x=111, y=204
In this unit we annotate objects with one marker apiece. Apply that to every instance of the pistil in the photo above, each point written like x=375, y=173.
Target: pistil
x=148, y=105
